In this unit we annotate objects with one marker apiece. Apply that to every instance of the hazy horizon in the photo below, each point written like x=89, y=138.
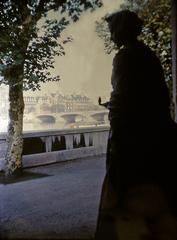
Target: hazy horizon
x=85, y=68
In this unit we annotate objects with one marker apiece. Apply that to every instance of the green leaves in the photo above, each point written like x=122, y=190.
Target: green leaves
x=74, y=8
x=157, y=32
x=28, y=52
x=103, y=32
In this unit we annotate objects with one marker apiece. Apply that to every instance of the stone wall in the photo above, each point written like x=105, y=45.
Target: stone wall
x=59, y=145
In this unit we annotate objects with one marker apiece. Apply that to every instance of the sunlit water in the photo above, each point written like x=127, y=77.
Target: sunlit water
x=51, y=126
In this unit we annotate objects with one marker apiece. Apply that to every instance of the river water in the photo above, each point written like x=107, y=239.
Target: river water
x=51, y=126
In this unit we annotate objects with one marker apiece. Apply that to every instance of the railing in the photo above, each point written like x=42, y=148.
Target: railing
x=44, y=147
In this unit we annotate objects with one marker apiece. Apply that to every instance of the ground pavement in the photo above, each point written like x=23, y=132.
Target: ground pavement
x=58, y=201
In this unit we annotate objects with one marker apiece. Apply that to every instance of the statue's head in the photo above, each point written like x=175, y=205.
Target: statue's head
x=124, y=26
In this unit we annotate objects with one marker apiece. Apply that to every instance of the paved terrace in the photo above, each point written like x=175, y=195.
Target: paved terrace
x=57, y=201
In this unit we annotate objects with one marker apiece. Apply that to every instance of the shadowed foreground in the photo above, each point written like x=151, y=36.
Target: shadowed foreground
x=62, y=203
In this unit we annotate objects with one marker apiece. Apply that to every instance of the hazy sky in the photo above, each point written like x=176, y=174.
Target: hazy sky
x=85, y=68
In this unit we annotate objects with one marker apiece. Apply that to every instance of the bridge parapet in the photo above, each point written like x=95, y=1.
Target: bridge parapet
x=45, y=147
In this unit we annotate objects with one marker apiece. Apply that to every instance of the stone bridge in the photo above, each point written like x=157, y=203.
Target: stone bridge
x=75, y=117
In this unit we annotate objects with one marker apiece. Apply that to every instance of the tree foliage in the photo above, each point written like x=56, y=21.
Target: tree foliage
x=29, y=38
x=156, y=32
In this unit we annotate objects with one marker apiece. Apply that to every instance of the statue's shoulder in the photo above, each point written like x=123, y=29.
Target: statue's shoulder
x=123, y=52
x=122, y=57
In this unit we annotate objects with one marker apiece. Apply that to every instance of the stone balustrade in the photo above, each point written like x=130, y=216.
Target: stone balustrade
x=45, y=147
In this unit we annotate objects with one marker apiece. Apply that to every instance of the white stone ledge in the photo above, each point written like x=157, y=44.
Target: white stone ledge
x=55, y=132
x=60, y=156
x=97, y=135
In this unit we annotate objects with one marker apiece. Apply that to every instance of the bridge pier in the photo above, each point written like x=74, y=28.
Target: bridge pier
x=72, y=118
x=100, y=117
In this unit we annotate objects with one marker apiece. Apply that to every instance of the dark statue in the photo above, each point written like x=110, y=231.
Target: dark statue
x=140, y=185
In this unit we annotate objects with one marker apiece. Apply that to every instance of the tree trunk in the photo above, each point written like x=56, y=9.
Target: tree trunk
x=13, y=159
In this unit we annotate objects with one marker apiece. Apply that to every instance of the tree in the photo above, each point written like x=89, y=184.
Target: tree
x=27, y=53
x=156, y=32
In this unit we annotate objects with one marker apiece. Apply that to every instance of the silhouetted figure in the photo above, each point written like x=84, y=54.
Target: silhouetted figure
x=141, y=178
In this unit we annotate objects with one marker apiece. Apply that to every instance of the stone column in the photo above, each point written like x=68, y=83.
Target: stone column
x=174, y=55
